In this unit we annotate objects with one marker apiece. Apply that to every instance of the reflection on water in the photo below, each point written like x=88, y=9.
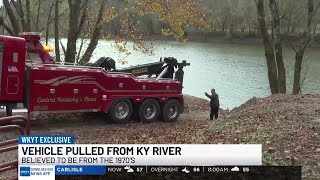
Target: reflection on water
x=237, y=72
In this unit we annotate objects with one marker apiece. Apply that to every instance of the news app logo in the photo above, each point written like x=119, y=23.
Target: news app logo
x=25, y=171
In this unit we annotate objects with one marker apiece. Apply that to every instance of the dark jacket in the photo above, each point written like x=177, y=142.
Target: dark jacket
x=214, y=100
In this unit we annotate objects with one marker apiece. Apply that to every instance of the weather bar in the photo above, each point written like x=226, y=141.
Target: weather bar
x=204, y=172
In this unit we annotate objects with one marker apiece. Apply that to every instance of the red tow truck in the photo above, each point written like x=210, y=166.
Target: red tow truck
x=30, y=76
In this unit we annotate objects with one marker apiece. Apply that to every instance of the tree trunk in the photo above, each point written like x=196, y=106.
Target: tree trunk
x=28, y=24
x=71, y=51
x=49, y=20
x=75, y=27
x=20, y=12
x=38, y=14
x=6, y=27
x=95, y=35
x=297, y=72
x=268, y=48
x=282, y=83
x=13, y=19
x=305, y=43
x=281, y=73
x=79, y=53
x=56, y=31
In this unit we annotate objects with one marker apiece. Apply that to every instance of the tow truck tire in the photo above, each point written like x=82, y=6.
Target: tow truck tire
x=149, y=110
x=171, y=111
x=121, y=110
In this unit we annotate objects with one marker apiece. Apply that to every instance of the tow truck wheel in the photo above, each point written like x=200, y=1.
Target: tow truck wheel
x=171, y=111
x=149, y=110
x=121, y=110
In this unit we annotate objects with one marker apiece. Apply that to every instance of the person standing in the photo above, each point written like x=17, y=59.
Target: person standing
x=214, y=104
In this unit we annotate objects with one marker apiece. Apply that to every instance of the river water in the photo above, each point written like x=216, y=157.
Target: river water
x=237, y=72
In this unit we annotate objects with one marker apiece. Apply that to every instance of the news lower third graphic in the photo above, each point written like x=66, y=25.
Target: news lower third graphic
x=44, y=157
x=253, y=172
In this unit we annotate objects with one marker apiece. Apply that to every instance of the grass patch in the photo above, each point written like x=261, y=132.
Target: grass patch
x=262, y=135
x=272, y=159
x=221, y=125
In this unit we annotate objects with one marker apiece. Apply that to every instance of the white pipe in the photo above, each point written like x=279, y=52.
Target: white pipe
x=162, y=73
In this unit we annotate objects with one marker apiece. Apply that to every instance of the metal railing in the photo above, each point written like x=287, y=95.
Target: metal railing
x=12, y=144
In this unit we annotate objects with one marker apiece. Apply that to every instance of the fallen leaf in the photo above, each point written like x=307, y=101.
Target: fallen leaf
x=298, y=149
x=271, y=150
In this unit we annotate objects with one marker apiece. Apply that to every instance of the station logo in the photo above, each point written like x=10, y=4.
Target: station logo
x=25, y=171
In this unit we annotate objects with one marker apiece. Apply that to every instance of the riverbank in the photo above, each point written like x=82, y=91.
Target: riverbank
x=287, y=126
x=244, y=38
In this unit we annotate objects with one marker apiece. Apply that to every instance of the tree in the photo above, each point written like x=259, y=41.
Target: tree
x=77, y=16
x=277, y=40
x=86, y=19
x=177, y=15
x=305, y=42
x=276, y=71
x=95, y=35
x=13, y=19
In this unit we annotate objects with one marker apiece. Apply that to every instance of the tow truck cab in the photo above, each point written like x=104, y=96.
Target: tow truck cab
x=12, y=65
x=16, y=56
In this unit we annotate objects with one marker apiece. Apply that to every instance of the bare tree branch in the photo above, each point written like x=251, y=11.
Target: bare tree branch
x=28, y=23
x=315, y=10
x=63, y=48
x=6, y=27
x=12, y=17
x=80, y=49
x=21, y=14
x=292, y=46
x=49, y=22
x=84, y=16
x=38, y=15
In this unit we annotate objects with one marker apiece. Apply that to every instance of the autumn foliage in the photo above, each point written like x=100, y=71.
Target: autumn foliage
x=175, y=16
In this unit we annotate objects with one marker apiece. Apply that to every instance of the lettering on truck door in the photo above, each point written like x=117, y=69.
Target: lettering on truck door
x=12, y=84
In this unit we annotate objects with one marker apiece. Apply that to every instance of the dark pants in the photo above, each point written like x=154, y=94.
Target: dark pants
x=214, y=112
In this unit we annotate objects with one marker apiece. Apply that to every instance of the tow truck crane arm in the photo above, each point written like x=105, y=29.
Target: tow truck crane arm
x=162, y=69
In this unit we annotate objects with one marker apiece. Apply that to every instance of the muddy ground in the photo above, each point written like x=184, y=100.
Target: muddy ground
x=287, y=126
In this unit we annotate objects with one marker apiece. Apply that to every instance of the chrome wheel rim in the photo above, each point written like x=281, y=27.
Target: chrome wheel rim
x=150, y=111
x=173, y=111
x=122, y=110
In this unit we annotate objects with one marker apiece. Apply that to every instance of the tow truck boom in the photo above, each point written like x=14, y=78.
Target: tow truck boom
x=162, y=69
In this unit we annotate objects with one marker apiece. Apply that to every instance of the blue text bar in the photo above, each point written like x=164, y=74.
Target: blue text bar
x=80, y=170
x=52, y=139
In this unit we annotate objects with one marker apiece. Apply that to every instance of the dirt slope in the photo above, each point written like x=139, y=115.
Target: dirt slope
x=287, y=126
